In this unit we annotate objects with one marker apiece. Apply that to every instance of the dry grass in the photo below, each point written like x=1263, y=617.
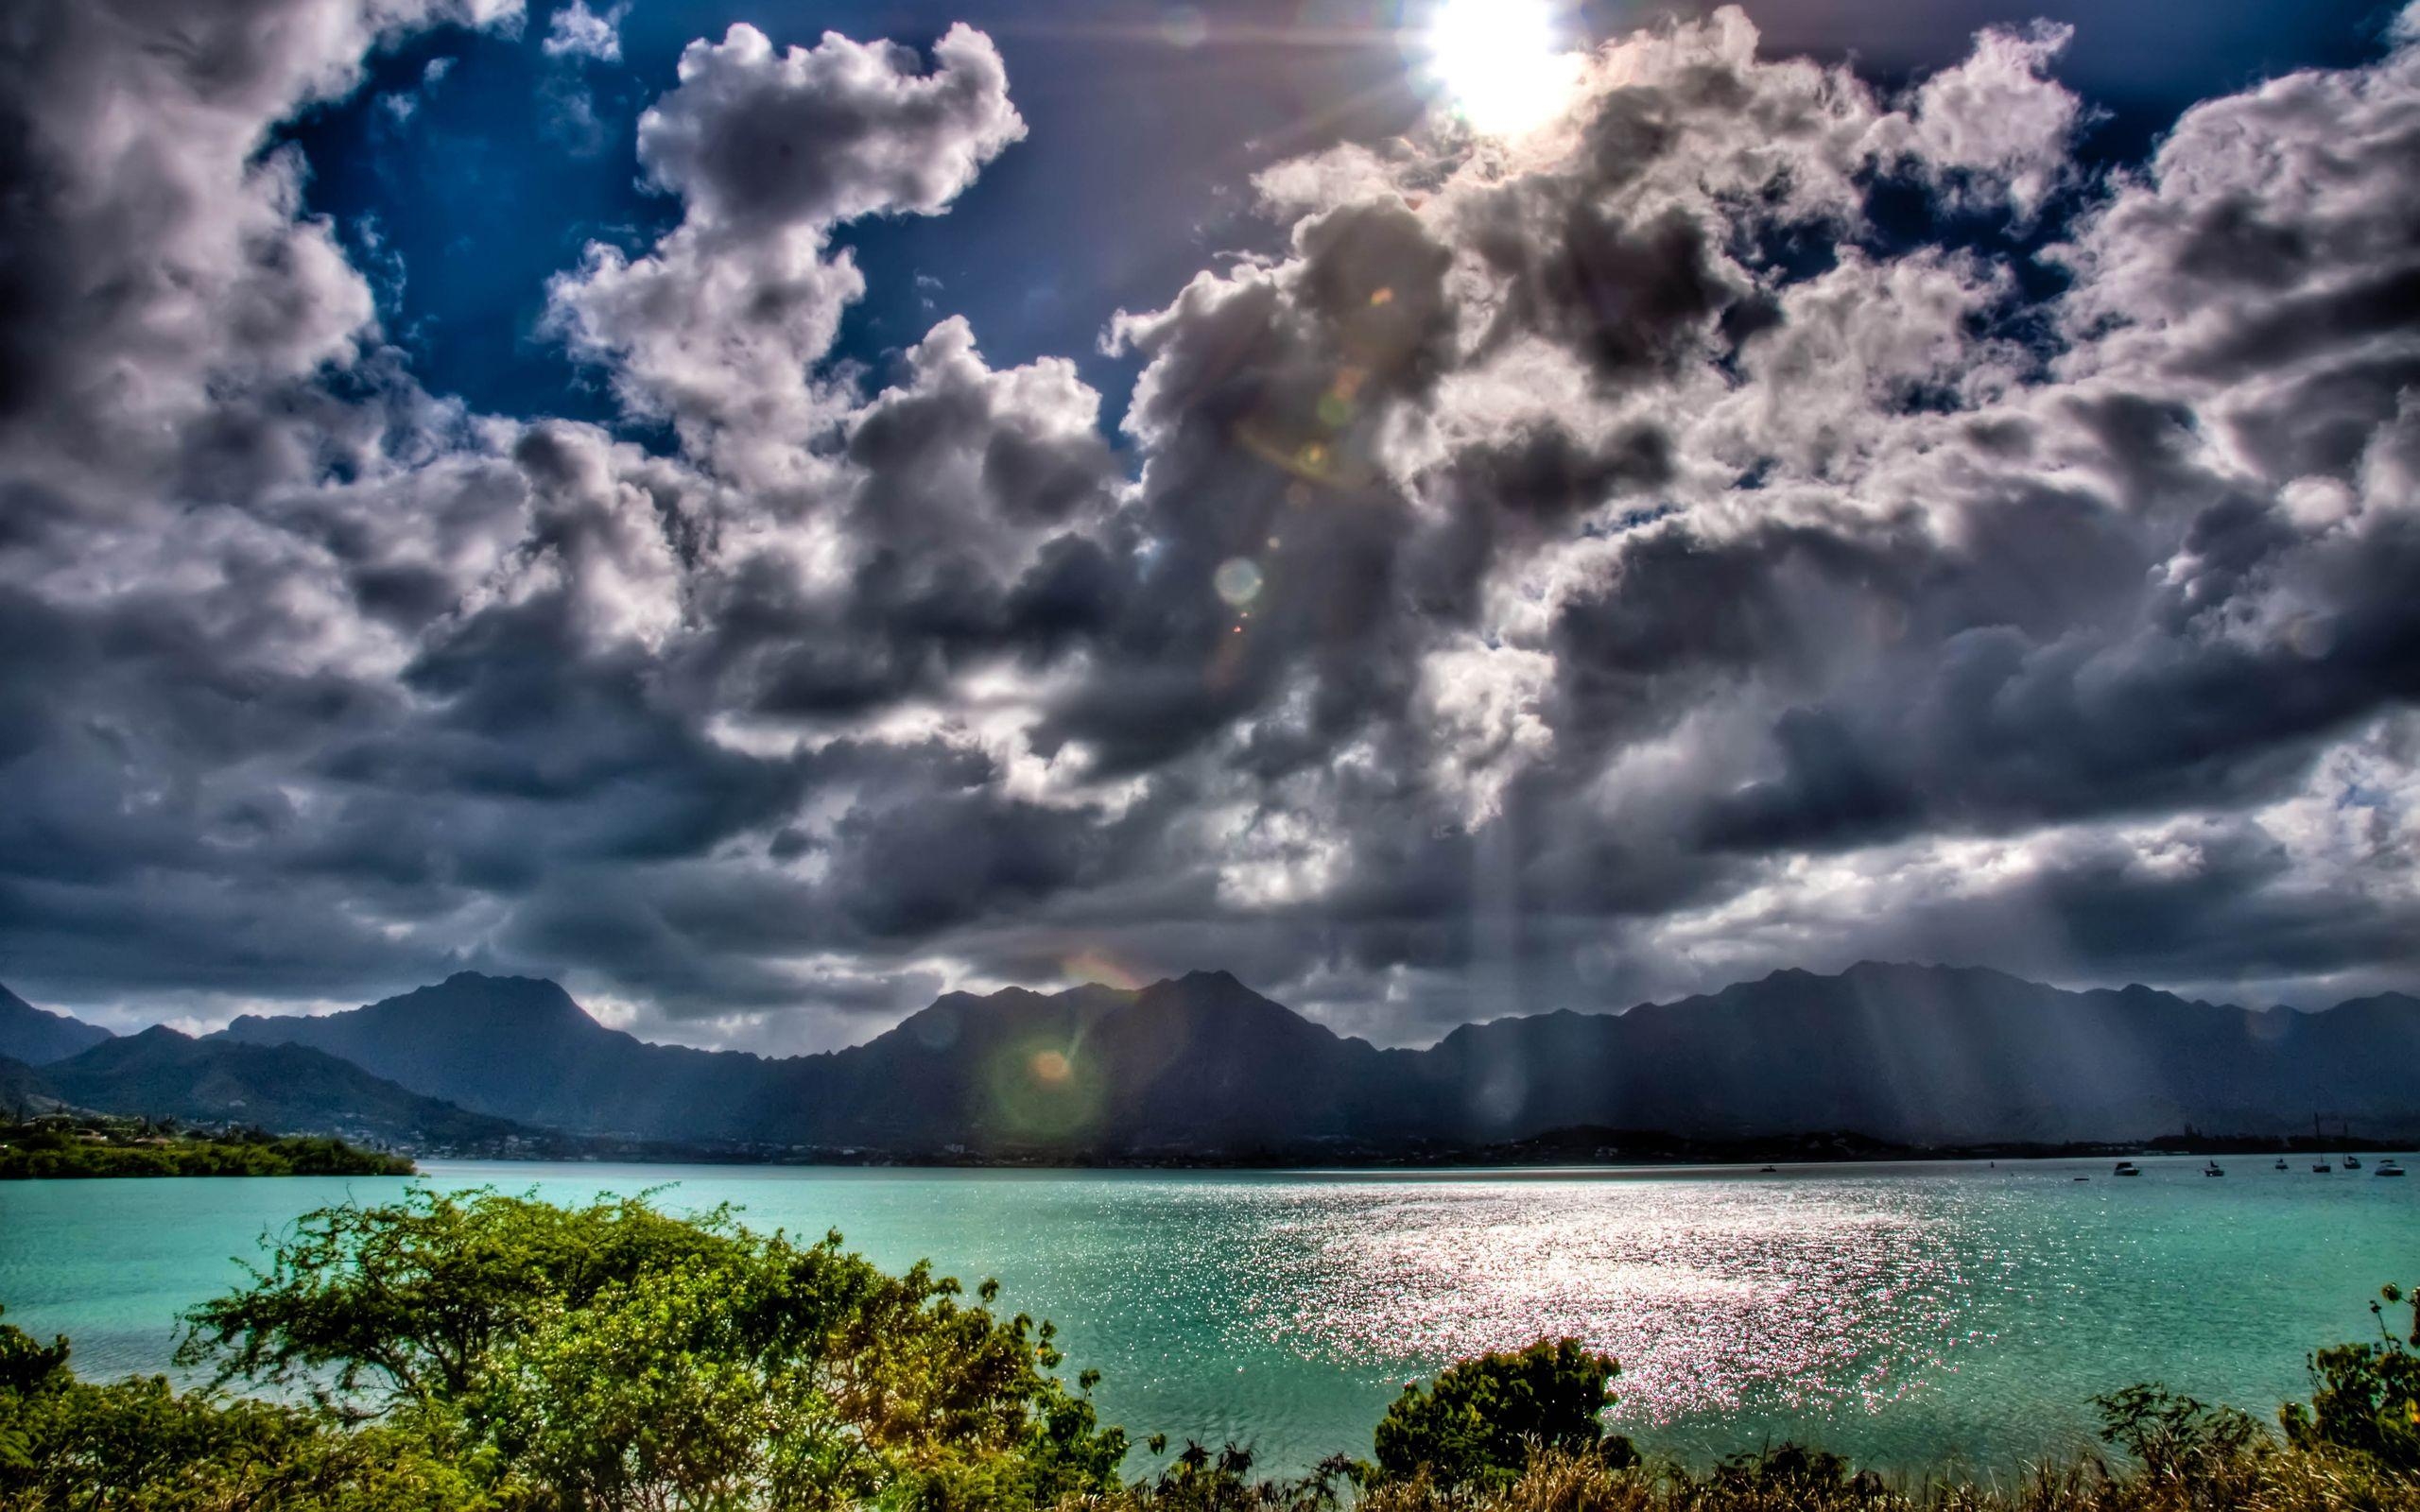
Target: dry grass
x=2265, y=1477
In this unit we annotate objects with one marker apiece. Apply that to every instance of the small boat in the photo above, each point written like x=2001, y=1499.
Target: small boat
x=2281, y=1165
x=2388, y=1168
x=2127, y=1168
x=2321, y=1168
x=2212, y=1169
x=2352, y=1162
x=2083, y=1179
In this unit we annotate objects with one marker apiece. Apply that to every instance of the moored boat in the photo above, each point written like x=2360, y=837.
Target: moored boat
x=2127, y=1168
x=2388, y=1168
x=2212, y=1169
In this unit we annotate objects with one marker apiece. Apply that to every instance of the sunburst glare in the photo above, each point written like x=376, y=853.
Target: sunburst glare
x=1501, y=64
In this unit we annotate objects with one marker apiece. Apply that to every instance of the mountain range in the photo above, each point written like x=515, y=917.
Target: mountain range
x=1201, y=1066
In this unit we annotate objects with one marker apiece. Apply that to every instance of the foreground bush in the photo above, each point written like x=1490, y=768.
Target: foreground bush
x=1483, y=1419
x=614, y=1357
x=138, y=1445
x=2365, y=1398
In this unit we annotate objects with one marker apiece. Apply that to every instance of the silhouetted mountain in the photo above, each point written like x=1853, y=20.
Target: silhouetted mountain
x=1197, y=1063
x=1926, y=1055
x=1201, y=1064
x=519, y=1048
x=38, y=1035
x=287, y=1089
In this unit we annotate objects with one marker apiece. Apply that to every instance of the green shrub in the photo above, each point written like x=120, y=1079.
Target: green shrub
x=27, y=1366
x=137, y=1445
x=2365, y=1398
x=1484, y=1419
x=1794, y=1474
x=612, y=1356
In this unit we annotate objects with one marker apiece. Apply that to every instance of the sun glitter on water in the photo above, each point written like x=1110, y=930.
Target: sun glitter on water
x=1500, y=63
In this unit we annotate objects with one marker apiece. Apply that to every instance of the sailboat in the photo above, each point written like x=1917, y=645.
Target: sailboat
x=2321, y=1168
x=2281, y=1163
x=2212, y=1169
x=2352, y=1162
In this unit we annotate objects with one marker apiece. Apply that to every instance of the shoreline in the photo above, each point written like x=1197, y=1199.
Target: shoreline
x=1547, y=1154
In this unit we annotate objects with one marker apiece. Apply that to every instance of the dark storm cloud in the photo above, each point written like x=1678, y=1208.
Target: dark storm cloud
x=1627, y=297
x=1578, y=569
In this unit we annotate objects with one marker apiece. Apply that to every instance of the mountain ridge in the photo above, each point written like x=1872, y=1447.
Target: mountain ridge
x=1200, y=1064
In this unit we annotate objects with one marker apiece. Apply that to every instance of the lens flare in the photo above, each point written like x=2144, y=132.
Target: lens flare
x=1499, y=63
x=1237, y=581
x=1097, y=965
x=1045, y=1089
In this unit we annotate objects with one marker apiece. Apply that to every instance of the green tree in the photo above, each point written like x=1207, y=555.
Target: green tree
x=27, y=1366
x=2365, y=1398
x=1484, y=1419
x=613, y=1356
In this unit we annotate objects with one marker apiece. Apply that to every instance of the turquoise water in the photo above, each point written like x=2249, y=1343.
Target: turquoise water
x=1917, y=1317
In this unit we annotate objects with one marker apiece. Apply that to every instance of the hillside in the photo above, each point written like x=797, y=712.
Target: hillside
x=287, y=1089
x=23, y=1091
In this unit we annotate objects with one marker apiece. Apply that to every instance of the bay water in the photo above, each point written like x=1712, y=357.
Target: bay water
x=1922, y=1318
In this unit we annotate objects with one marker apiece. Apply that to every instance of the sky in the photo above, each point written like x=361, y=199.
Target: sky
x=766, y=513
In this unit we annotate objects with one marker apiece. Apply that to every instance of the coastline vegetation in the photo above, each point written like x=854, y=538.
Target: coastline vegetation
x=482, y=1352
x=61, y=1146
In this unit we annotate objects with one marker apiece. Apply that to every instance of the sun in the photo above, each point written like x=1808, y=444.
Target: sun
x=1500, y=63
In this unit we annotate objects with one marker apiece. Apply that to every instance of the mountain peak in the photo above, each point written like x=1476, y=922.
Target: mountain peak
x=1901, y=971
x=38, y=1037
x=530, y=986
x=490, y=1043
x=468, y=978
x=535, y=1000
